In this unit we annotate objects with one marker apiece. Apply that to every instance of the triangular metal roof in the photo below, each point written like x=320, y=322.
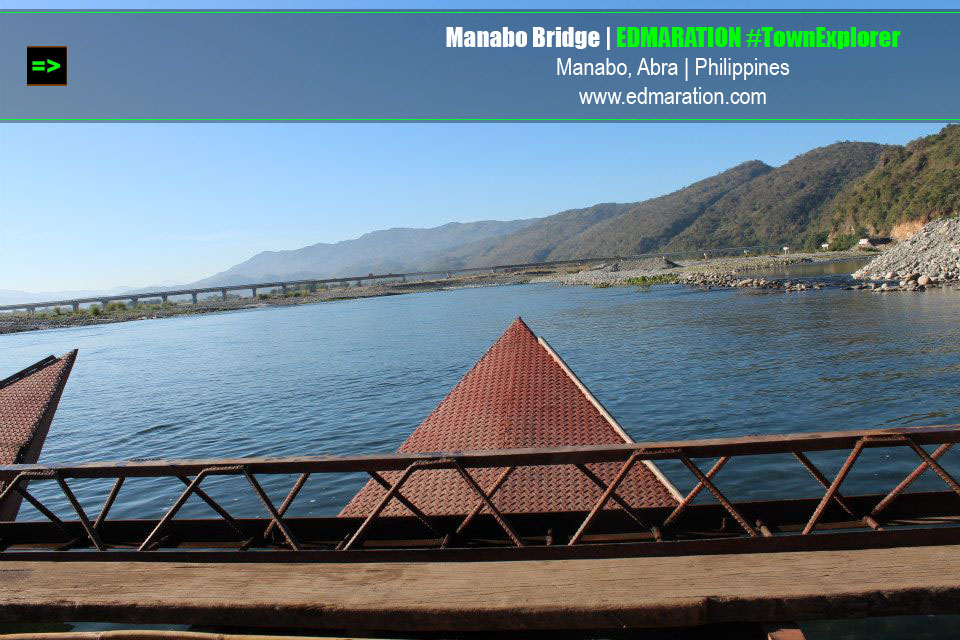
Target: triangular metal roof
x=28, y=400
x=520, y=394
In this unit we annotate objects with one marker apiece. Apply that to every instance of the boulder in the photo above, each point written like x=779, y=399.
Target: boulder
x=924, y=280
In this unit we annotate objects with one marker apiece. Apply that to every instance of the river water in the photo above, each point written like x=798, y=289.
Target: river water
x=357, y=377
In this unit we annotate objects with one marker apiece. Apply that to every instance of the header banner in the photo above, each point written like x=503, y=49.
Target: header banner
x=476, y=66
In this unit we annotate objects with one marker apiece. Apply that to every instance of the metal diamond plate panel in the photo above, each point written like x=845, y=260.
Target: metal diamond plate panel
x=516, y=396
x=24, y=401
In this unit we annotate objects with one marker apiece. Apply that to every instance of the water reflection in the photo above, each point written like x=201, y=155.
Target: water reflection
x=812, y=269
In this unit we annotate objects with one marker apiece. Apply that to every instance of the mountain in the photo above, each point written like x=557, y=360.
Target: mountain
x=535, y=243
x=399, y=249
x=749, y=204
x=784, y=204
x=646, y=226
x=13, y=296
x=820, y=192
x=919, y=181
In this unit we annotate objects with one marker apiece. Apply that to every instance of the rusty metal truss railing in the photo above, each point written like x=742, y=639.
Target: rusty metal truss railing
x=612, y=526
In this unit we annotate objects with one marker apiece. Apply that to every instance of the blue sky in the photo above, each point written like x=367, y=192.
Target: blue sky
x=100, y=205
x=86, y=206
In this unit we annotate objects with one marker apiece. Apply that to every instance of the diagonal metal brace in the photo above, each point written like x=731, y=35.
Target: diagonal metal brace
x=695, y=470
x=20, y=477
x=601, y=503
x=361, y=533
x=108, y=502
x=933, y=464
x=910, y=479
x=623, y=504
x=421, y=516
x=479, y=506
x=489, y=503
x=834, y=486
x=282, y=509
x=81, y=514
x=179, y=502
x=272, y=510
x=714, y=470
x=213, y=504
x=50, y=515
x=837, y=496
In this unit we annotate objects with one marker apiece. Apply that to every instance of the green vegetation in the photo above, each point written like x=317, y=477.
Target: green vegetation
x=844, y=241
x=648, y=281
x=644, y=282
x=813, y=239
x=647, y=226
x=790, y=204
x=916, y=182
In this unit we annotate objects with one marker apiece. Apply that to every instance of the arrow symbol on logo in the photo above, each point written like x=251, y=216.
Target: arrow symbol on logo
x=38, y=65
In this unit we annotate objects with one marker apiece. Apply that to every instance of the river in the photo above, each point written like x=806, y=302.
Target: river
x=357, y=376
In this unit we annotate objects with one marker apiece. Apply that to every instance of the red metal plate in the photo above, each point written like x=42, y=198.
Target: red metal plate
x=516, y=396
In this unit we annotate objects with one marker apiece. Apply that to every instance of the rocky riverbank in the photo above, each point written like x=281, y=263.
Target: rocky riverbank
x=51, y=319
x=720, y=272
x=734, y=281
x=930, y=256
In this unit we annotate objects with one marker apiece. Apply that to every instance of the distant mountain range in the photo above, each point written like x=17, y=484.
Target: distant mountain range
x=390, y=250
x=749, y=204
x=13, y=296
x=843, y=190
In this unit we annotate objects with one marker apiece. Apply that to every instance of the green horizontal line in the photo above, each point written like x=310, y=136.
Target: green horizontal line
x=953, y=119
x=491, y=12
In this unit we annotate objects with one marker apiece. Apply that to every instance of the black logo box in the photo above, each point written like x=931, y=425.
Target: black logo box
x=40, y=74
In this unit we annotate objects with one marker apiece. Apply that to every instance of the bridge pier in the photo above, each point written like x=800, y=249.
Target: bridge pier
x=163, y=297
x=359, y=283
x=31, y=309
x=103, y=304
x=223, y=294
x=193, y=296
x=76, y=307
x=284, y=288
x=134, y=302
x=313, y=287
x=403, y=278
x=253, y=291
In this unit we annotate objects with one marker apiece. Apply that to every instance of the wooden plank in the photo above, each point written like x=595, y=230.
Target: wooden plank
x=596, y=594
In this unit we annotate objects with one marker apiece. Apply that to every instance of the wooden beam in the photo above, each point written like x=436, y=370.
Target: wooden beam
x=454, y=597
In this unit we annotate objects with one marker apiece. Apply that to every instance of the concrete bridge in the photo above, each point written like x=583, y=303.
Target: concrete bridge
x=134, y=298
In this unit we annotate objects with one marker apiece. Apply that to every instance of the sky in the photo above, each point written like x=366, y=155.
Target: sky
x=95, y=206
